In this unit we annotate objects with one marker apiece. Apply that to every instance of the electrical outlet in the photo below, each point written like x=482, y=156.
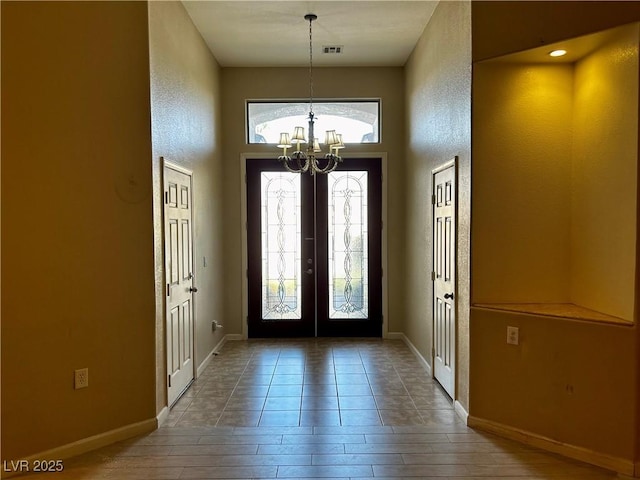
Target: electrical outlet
x=81, y=378
x=215, y=325
x=513, y=336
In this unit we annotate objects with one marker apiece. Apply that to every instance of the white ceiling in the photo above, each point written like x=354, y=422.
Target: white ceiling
x=275, y=33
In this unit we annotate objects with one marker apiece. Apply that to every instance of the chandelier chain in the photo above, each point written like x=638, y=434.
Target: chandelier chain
x=310, y=67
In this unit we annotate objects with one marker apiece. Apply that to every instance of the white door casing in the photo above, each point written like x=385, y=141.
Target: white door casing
x=444, y=275
x=178, y=247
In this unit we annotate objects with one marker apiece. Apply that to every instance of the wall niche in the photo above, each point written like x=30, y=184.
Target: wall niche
x=554, y=192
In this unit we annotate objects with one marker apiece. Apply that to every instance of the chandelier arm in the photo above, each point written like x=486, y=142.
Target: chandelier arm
x=335, y=165
x=329, y=167
x=285, y=162
x=301, y=168
x=337, y=160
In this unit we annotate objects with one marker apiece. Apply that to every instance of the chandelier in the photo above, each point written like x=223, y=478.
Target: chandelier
x=302, y=161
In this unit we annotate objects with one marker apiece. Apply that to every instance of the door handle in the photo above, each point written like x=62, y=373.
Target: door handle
x=448, y=296
x=309, y=271
x=193, y=289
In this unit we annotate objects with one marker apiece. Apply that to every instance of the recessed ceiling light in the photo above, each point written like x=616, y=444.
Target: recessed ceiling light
x=557, y=53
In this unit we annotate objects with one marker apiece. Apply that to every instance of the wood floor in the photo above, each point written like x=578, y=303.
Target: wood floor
x=318, y=408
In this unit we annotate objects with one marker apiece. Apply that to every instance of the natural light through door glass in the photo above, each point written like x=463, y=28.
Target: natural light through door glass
x=348, y=245
x=281, y=240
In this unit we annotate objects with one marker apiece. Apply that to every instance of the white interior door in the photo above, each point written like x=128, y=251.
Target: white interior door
x=178, y=241
x=444, y=276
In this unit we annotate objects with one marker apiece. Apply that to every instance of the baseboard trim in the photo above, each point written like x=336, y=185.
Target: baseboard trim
x=394, y=336
x=234, y=337
x=207, y=360
x=91, y=443
x=626, y=477
x=460, y=410
x=414, y=350
x=162, y=416
x=617, y=464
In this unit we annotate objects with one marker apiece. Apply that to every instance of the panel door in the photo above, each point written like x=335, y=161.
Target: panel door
x=444, y=278
x=349, y=222
x=280, y=251
x=179, y=281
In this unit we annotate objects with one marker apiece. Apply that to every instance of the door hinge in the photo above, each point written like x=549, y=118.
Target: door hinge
x=166, y=197
x=433, y=199
x=169, y=380
x=168, y=290
x=433, y=352
x=433, y=276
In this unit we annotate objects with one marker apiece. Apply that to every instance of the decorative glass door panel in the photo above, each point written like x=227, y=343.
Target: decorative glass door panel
x=281, y=240
x=348, y=252
x=314, y=250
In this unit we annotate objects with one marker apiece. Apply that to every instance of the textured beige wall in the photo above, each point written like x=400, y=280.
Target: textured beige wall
x=240, y=84
x=522, y=137
x=77, y=267
x=605, y=161
x=438, y=102
x=186, y=120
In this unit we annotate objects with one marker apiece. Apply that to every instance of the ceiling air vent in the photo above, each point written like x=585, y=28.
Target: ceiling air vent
x=332, y=49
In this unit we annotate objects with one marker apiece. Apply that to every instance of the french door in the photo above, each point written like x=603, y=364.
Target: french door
x=314, y=250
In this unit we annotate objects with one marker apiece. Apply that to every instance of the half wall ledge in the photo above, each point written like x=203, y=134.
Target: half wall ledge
x=561, y=310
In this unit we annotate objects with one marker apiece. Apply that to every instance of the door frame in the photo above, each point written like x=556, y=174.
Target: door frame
x=167, y=164
x=268, y=156
x=453, y=163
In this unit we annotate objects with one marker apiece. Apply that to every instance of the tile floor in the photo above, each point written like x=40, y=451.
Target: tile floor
x=319, y=408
